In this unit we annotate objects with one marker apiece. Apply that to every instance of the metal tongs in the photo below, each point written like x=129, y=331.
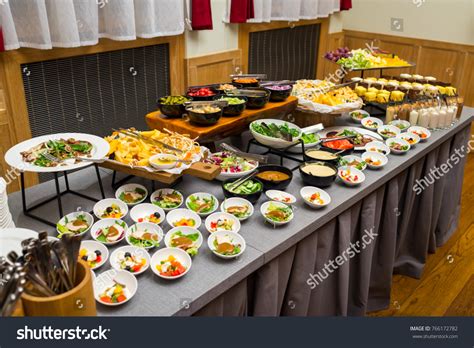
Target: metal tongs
x=219, y=103
x=256, y=76
x=245, y=155
x=246, y=93
x=277, y=83
x=147, y=139
x=341, y=85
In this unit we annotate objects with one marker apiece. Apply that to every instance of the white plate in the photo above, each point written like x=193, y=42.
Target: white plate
x=363, y=112
x=375, y=120
x=103, y=204
x=185, y=231
x=418, y=130
x=178, y=214
x=350, y=158
x=375, y=155
x=235, y=239
x=107, y=223
x=11, y=238
x=131, y=188
x=163, y=254
x=360, y=130
x=219, y=215
x=377, y=146
x=71, y=216
x=404, y=123
x=142, y=226
x=264, y=208
x=308, y=191
x=224, y=176
x=137, y=252
x=13, y=157
x=399, y=141
x=92, y=246
x=237, y=201
x=412, y=136
x=389, y=128
x=278, y=196
x=144, y=210
x=353, y=171
x=276, y=143
x=202, y=195
x=108, y=278
x=166, y=191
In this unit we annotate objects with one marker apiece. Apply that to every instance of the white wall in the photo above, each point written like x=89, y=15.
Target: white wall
x=440, y=20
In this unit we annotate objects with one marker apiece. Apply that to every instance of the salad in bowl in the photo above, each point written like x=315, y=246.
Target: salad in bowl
x=232, y=166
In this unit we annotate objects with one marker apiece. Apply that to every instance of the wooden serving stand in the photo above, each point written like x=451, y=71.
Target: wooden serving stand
x=226, y=126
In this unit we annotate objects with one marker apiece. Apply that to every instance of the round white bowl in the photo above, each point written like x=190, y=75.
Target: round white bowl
x=165, y=191
x=108, y=278
x=103, y=204
x=178, y=214
x=350, y=158
x=142, y=211
x=277, y=195
x=163, y=254
x=237, y=201
x=354, y=171
x=403, y=123
x=418, y=130
x=399, y=141
x=410, y=138
x=224, y=176
x=203, y=195
x=107, y=223
x=186, y=231
x=236, y=239
x=137, y=252
x=141, y=226
x=220, y=215
x=128, y=188
x=308, y=191
x=390, y=128
x=91, y=245
x=350, y=114
x=375, y=120
x=162, y=166
x=375, y=155
x=72, y=216
x=377, y=146
x=264, y=208
x=276, y=143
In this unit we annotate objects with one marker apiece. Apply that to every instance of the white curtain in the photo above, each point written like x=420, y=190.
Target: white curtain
x=44, y=24
x=289, y=10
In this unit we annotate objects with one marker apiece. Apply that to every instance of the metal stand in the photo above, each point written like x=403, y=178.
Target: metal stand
x=27, y=210
x=117, y=183
x=280, y=152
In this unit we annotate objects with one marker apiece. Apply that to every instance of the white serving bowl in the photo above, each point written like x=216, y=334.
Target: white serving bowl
x=375, y=156
x=350, y=158
x=202, y=195
x=72, y=216
x=237, y=201
x=92, y=246
x=137, y=252
x=178, y=214
x=377, y=146
x=410, y=138
x=398, y=141
x=400, y=124
x=353, y=171
x=103, y=204
x=220, y=215
x=279, y=196
x=276, y=143
x=186, y=231
x=418, y=130
x=375, y=120
x=264, y=208
x=142, y=226
x=390, y=128
x=108, y=278
x=353, y=118
x=236, y=239
x=165, y=191
x=163, y=254
x=224, y=176
x=131, y=188
x=308, y=191
x=171, y=165
x=107, y=223
x=141, y=212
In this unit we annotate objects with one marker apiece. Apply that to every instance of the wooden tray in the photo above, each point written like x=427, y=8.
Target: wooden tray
x=226, y=126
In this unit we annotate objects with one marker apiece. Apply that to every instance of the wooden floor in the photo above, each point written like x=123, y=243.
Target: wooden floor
x=447, y=285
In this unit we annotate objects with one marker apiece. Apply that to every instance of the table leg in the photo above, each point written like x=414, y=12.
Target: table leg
x=23, y=193
x=66, y=180
x=58, y=194
x=99, y=179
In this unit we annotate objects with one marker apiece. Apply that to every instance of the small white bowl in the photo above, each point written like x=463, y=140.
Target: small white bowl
x=137, y=252
x=142, y=226
x=352, y=114
x=109, y=278
x=219, y=215
x=235, y=239
x=264, y=208
x=107, y=223
x=72, y=216
x=351, y=158
x=375, y=156
x=360, y=175
x=202, y=195
x=308, y=191
x=398, y=141
x=92, y=246
x=420, y=131
x=237, y=201
x=371, y=120
x=166, y=191
x=141, y=212
x=393, y=129
x=178, y=214
x=400, y=124
x=280, y=196
x=163, y=254
x=410, y=138
x=155, y=165
x=101, y=206
x=377, y=146
x=131, y=188
x=185, y=231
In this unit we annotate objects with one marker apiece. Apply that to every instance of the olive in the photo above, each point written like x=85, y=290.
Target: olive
x=98, y=252
x=128, y=268
x=109, y=210
x=127, y=254
x=157, y=215
x=84, y=257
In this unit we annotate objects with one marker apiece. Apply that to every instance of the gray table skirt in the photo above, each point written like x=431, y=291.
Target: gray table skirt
x=408, y=227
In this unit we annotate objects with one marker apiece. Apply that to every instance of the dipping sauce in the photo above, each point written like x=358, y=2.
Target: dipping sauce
x=321, y=155
x=164, y=161
x=273, y=175
x=315, y=169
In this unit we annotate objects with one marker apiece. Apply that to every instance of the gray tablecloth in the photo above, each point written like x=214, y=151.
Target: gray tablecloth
x=408, y=227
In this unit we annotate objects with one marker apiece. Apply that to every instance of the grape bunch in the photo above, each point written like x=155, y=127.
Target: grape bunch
x=341, y=52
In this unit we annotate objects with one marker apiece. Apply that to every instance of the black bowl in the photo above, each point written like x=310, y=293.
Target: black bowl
x=279, y=95
x=275, y=185
x=318, y=181
x=252, y=198
x=344, y=153
x=258, y=102
x=308, y=158
x=172, y=110
x=217, y=93
x=235, y=110
x=203, y=119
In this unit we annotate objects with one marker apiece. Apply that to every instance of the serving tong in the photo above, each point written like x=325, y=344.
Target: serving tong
x=219, y=103
x=246, y=93
x=255, y=76
x=139, y=136
x=244, y=155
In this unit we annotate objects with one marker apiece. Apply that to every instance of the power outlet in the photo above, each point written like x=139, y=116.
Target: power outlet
x=396, y=24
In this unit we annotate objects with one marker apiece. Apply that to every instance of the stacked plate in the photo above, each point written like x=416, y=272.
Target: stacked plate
x=6, y=220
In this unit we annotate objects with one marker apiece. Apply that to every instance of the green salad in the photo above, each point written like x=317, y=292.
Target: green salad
x=75, y=226
x=201, y=205
x=247, y=188
x=187, y=242
x=232, y=101
x=168, y=200
x=278, y=213
x=275, y=131
x=225, y=246
x=309, y=138
x=144, y=239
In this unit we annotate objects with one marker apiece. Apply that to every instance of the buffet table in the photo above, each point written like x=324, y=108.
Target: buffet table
x=271, y=277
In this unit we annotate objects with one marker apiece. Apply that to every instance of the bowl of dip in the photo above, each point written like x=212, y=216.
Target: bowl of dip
x=318, y=173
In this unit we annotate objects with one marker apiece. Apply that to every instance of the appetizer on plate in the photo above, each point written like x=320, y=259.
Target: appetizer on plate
x=241, y=208
x=171, y=267
x=248, y=187
x=353, y=161
x=202, y=203
x=93, y=253
x=110, y=208
x=147, y=212
x=371, y=123
x=388, y=131
x=183, y=218
x=378, y=146
x=276, y=213
x=74, y=223
x=400, y=124
x=358, y=140
x=358, y=115
x=109, y=231
x=187, y=238
x=163, y=161
x=351, y=176
x=398, y=146
x=226, y=245
x=315, y=197
x=131, y=193
x=115, y=287
x=410, y=138
x=280, y=196
x=144, y=235
x=375, y=160
x=167, y=199
x=171, y=263
x=422, y=132
x=130, y=262
x=231, y=164
x=116, y=293
x=222, y=222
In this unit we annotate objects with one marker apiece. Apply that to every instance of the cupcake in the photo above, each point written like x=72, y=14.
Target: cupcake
x=392, y=85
